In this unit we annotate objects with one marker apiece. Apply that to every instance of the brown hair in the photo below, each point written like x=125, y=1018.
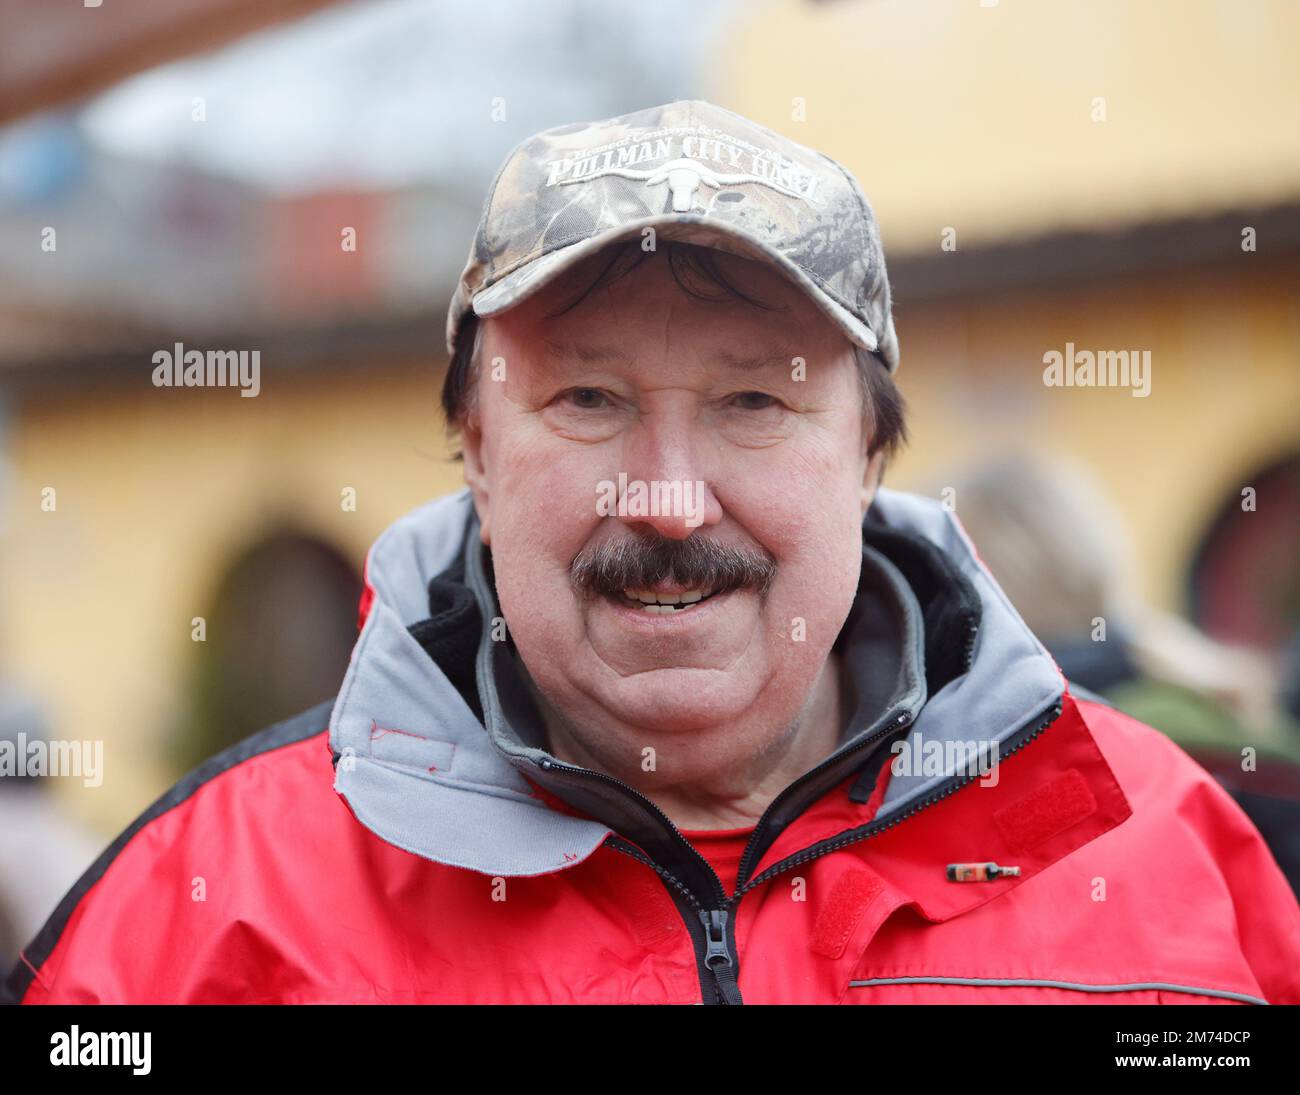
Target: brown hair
x=883, y=407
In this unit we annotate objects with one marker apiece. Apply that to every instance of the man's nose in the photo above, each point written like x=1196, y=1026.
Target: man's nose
x=667, y=487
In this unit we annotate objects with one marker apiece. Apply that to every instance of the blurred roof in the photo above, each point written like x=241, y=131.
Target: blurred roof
x=51, y=54
x=207, y=255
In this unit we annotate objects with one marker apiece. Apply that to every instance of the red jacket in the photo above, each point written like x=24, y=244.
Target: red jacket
x=413, y=841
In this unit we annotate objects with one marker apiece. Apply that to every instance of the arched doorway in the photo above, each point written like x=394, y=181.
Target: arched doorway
x=1245, y=577
x=279, y=631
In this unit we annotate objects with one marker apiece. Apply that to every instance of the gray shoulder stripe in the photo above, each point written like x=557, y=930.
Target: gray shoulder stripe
x=983, y=982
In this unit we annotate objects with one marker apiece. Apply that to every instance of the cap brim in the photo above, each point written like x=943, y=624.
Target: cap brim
x=520, y=284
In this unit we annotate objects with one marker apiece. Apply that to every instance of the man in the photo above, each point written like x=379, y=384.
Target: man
x=673, y=703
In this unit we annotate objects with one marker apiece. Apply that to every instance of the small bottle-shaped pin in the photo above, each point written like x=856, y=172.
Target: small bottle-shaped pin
x=979, y=872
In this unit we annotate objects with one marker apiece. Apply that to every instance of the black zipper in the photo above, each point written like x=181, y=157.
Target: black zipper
x=712, y=931
x=892, y=725
x=713, y=938
x=549, y=765
x=717, y=955
x=1022, y=737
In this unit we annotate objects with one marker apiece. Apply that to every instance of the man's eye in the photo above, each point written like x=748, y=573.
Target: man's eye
x=755, y=401
x=588, y=399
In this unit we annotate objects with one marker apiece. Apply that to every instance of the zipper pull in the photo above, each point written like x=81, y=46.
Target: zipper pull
x=979, y=872
x=717, y=957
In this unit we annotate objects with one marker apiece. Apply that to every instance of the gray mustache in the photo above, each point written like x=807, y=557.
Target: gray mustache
x=638, y=562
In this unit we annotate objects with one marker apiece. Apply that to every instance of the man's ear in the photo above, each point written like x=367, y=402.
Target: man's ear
x=873, y=470
x=476, y=477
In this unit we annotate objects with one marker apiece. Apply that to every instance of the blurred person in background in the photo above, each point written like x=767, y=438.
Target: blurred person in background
x=42, y=851
x=1060, y=551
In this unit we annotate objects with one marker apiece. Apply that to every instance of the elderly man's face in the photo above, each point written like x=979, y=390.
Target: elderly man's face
x=642, y=380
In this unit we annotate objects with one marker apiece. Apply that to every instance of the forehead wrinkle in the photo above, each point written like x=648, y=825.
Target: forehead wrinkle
x=749, y=363
x=568, y=350
x=587, y=353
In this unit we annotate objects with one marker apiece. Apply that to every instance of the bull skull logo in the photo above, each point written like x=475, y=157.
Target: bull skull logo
x=684, y=177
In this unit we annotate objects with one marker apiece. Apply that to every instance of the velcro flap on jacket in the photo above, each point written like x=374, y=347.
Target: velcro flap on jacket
x=850, y=897
x=1046, y=811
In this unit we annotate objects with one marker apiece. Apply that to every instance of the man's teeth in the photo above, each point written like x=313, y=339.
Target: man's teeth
x=665, y=603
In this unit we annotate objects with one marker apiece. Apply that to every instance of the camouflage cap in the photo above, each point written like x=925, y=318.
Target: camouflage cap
x=692, y=171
